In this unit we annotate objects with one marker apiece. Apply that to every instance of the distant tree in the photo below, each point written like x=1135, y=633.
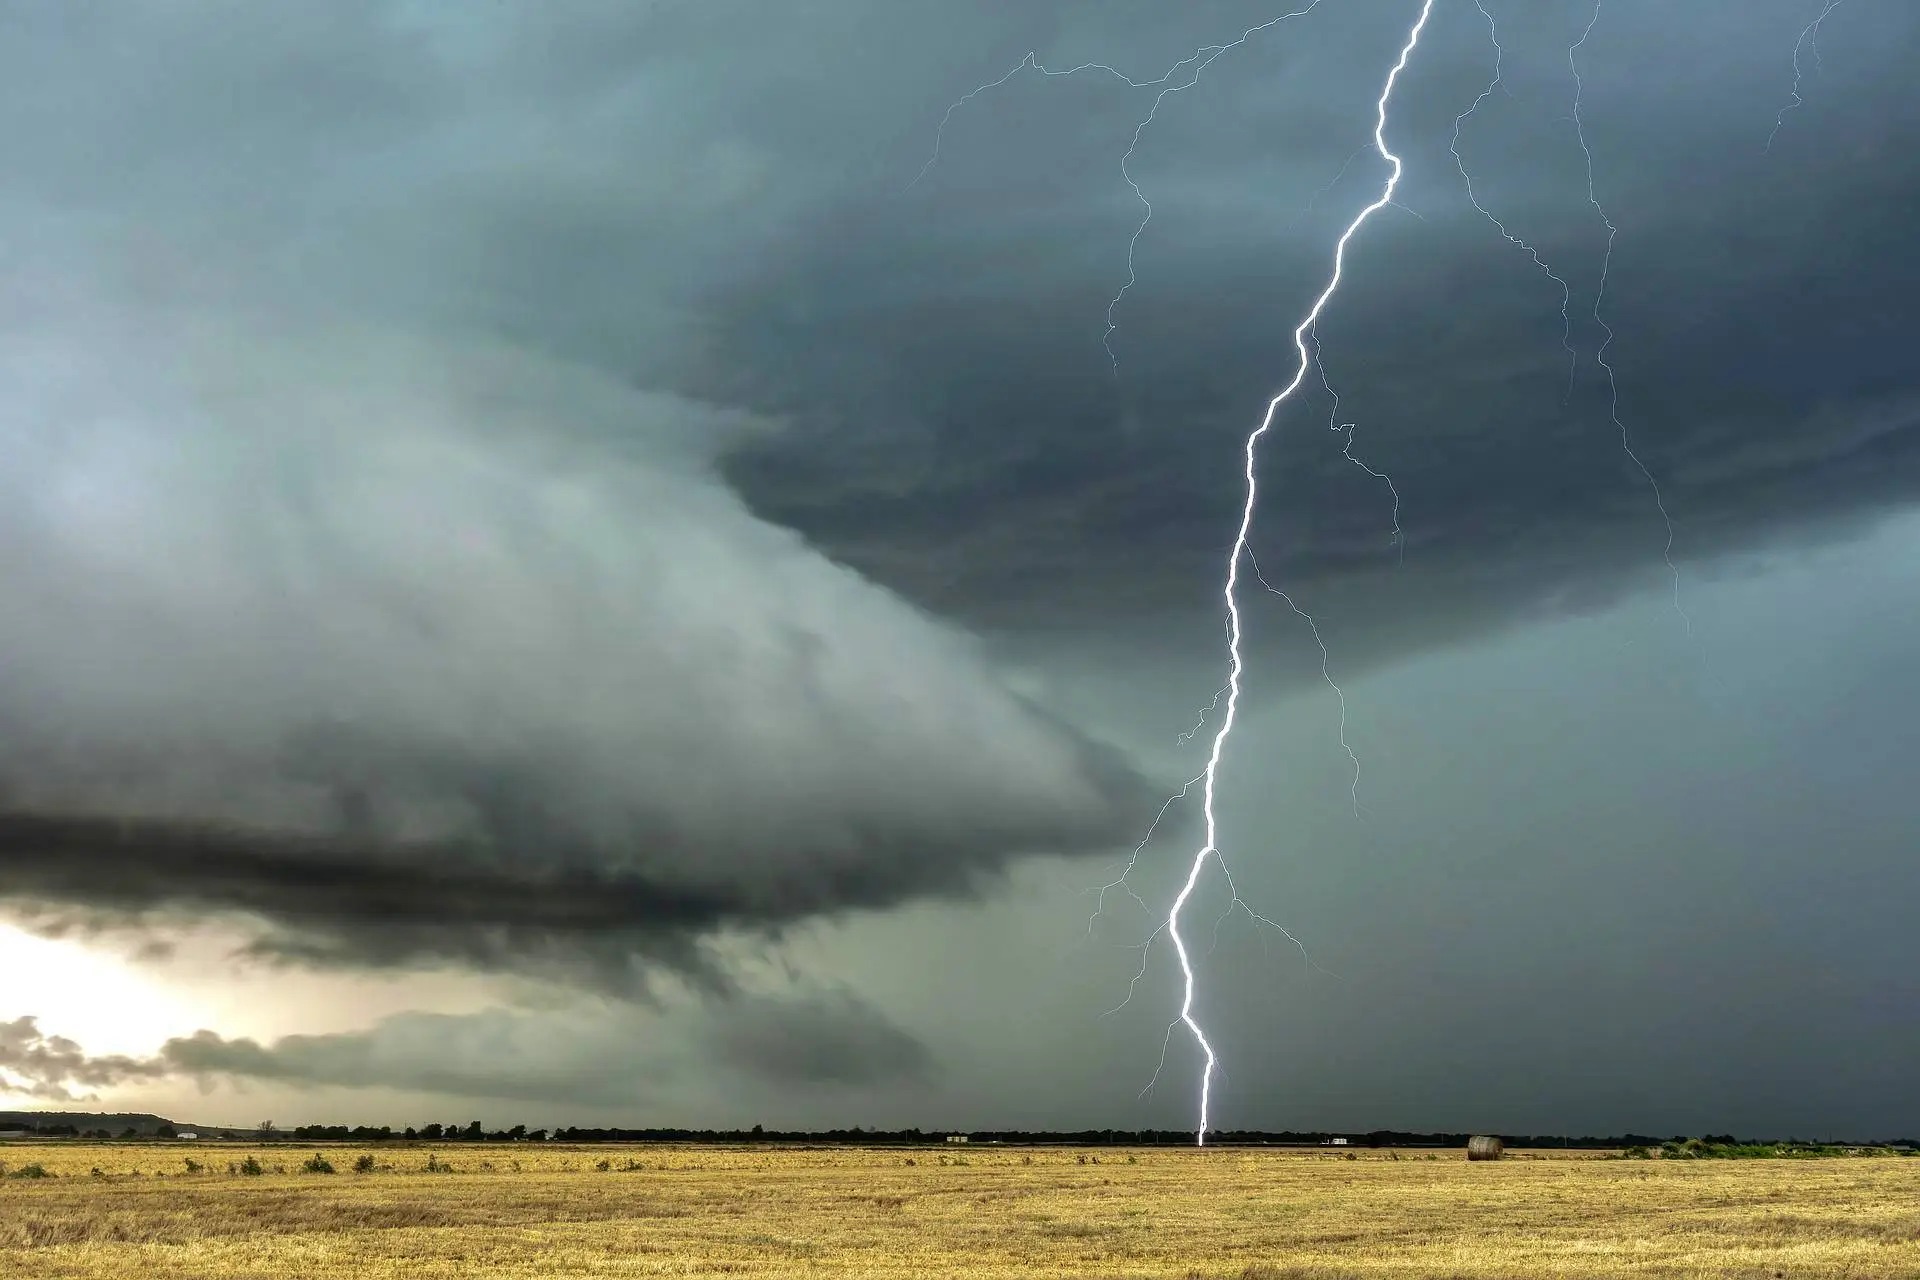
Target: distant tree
x=473, y=1132
x=431, y=1133
x=267, y=1129
x=759, y=1131
x=129, y=1132
x=516, y=1133
x=410, y=1133
x=165, y=1131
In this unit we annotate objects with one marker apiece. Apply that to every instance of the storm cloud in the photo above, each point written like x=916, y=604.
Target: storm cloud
x=592, y=1055
x=52, y=1068
x=331, y=637
x=1063, y=487
x=543, y=488
x=613, y=1057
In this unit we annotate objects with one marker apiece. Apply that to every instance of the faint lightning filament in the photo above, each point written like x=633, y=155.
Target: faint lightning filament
x=1809, y=39
x=1566, y=293
x=1193, y=65
x=1606, y=341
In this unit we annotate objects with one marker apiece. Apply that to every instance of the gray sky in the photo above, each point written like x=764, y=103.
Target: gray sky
x=562, y=571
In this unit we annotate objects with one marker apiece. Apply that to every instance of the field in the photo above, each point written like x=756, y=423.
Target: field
x=540, y=1210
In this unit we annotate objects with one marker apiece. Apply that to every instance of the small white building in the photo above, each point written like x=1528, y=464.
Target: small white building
x=956, y=1137
x=186, y=1137
x=1336, y=1142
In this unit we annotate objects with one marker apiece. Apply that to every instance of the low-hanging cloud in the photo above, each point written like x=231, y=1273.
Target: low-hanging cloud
x=414, y=650
x=591, y=1055
x=53, y=1068
x=612, y=1058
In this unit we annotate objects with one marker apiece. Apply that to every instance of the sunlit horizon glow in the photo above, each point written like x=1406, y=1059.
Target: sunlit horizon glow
x=85, y=993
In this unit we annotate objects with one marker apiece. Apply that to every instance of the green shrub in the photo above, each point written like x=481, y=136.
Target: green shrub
x=317, y=1163
x=364, y=1164
x=30, y=1171
x=251, y=1167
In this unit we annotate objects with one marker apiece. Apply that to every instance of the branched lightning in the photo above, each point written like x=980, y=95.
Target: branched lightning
x=1200, y=722
x=1240, y=549
x=1334, y=424
x=1181, y=76
x=1599, y=297
x=1566, y=294
x=1315, y=198
x=1809, y=39
x=1326, y=674
x=1121, y=882
x=1184, y=75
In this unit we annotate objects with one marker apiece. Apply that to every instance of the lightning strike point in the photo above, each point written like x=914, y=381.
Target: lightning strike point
x=1181, y=76
x=1235, y=662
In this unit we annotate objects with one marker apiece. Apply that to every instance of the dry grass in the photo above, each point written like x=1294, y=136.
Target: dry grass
x=548, y=1211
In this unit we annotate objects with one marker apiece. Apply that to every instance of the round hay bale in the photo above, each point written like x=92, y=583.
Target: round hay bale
x=1485, y=1147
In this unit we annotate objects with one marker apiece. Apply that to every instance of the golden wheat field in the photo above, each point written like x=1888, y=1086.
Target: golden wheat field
x=538, y=1210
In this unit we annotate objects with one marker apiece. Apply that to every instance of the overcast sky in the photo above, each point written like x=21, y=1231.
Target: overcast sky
x=621, y=563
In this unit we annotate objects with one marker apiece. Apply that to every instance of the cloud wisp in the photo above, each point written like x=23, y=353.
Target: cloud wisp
x=51, y=1068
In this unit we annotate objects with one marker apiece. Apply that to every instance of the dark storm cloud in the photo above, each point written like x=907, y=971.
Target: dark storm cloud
x=828, y=1041
x=433, y=647
x=967, y=442
x=368, y=642
x=568, y=1056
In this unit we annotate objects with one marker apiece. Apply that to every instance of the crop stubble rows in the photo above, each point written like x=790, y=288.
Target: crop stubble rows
x=538, y=1210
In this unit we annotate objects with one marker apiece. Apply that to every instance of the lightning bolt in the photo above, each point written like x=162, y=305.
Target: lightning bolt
x=1184, y=75
x=1241, y=550
x=1599, y=297
x=1810, y=39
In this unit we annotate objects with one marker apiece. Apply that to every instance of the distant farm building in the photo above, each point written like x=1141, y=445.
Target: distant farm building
x=956, y=1137
x=185, y=1137
x=1483, y=1147
x=1336, y=1142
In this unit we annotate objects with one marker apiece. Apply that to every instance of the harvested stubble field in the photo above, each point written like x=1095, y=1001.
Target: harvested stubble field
x=541, y=1210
